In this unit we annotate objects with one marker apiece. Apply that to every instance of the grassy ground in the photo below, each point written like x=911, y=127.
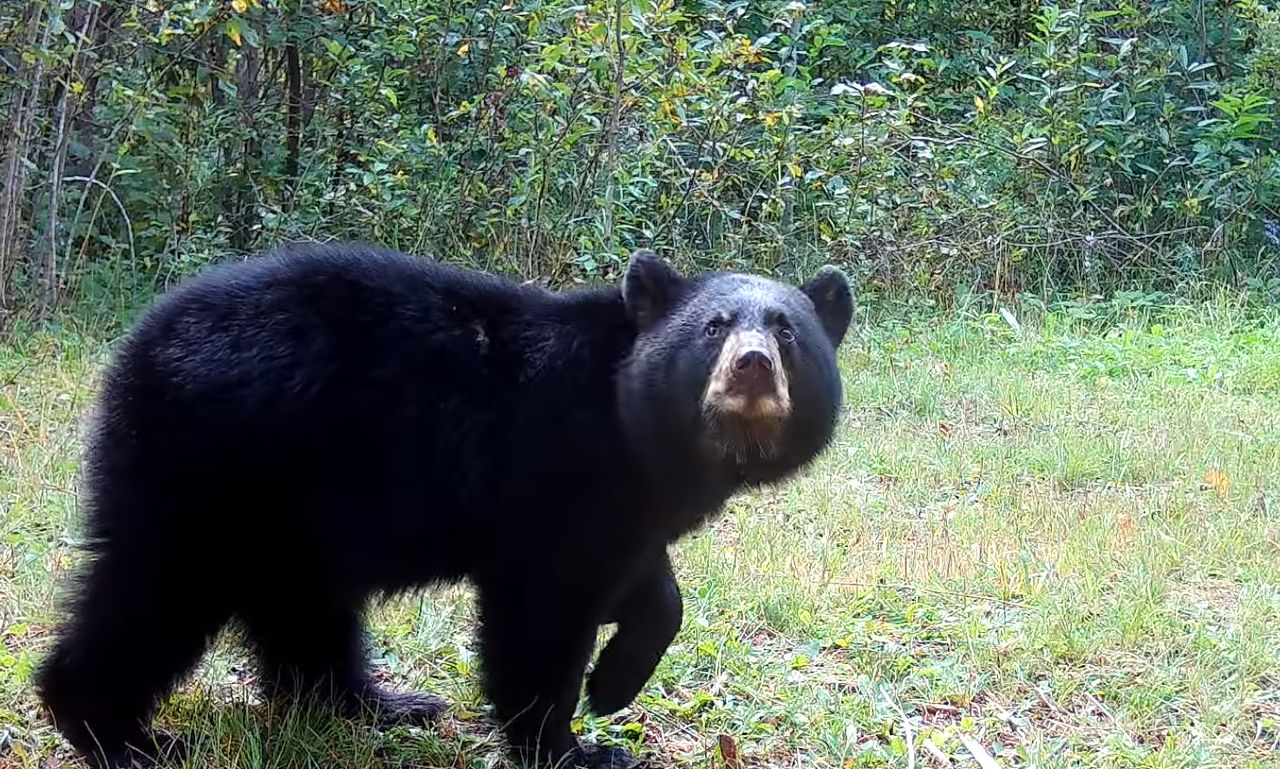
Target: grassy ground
x=1049, y=541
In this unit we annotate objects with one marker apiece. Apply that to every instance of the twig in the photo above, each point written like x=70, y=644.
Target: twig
x=128, y=225
x=1043, y=166
x=931, y=590
x=611, y=164
x=980, y=754
x=11, y=204
x=546, y=170
x=49, y=268
x=690, y=178
x=942, y=758
x=123, y=122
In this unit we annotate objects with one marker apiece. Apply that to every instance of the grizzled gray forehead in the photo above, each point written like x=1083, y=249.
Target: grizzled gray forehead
x=747, y=296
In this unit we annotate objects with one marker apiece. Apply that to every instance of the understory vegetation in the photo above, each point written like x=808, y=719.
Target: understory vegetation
x=1003, y=146
x=1052, y=537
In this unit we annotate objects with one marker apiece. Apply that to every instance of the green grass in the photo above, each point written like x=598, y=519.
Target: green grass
x=1057, y=538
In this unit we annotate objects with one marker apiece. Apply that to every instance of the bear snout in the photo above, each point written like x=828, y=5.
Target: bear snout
x=748, y=379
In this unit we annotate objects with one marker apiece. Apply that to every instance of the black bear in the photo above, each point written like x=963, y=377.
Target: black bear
x=281, y=439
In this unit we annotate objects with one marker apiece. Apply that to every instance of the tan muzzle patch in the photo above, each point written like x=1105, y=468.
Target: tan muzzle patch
x=748, y=379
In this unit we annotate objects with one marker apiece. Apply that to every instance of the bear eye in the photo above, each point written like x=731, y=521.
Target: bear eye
x=787, y=334
x=713, y=328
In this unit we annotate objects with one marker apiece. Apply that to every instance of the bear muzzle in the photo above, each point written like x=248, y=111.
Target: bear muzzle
x=749, y=380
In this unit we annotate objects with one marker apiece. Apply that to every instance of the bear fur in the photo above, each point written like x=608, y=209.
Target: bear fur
x=277, y=441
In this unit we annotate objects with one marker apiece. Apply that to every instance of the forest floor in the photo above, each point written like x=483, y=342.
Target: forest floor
x=1048, y=541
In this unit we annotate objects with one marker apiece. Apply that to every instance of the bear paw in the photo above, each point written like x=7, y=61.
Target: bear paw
x=404, y=708
x=610, y=689
x=599, y=757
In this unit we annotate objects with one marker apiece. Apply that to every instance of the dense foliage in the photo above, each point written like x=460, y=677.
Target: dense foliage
x=923, y=144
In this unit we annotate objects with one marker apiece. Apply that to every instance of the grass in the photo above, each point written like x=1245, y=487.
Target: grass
x=1053, y=539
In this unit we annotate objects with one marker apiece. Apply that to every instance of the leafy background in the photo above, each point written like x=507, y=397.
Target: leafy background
x=927, y=146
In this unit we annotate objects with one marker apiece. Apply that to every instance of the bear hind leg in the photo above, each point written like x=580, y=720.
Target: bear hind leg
x=133, y=633
x=315, y=650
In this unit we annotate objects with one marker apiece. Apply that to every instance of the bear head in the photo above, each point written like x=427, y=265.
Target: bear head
x=732, y=376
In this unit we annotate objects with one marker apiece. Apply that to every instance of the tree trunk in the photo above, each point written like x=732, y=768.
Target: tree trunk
x=13, y=195
x=615, y=111
x=293, y=118
x=248, y=69
x=84, y=22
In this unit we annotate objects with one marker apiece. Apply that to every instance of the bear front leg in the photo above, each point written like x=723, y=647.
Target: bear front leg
x=648, y=615
x=535, y=643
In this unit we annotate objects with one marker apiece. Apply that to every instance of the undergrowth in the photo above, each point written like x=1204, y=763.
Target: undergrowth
x=1051, y=535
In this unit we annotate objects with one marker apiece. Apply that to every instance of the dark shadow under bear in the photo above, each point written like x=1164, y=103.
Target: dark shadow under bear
x=279, y=440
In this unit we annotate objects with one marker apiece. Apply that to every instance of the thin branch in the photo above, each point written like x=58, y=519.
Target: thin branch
x=615, y=110
x=1043, y=166
x=128, y=224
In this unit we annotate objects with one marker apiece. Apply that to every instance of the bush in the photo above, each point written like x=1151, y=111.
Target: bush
x=926, y=145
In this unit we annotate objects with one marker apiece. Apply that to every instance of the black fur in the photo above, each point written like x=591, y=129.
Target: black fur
x=279, y=440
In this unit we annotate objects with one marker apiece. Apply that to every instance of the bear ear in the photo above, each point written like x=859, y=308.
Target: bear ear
x=832, y=300
x=649, y=288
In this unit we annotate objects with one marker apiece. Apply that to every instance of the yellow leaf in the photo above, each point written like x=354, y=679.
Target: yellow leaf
x=234, y=34
x=462, y=49
x=1218, y=481
x=979, y=103
x=796, y=171
x=240, y=6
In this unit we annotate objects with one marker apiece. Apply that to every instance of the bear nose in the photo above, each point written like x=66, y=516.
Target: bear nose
x=753, y=373
x=753, y=359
